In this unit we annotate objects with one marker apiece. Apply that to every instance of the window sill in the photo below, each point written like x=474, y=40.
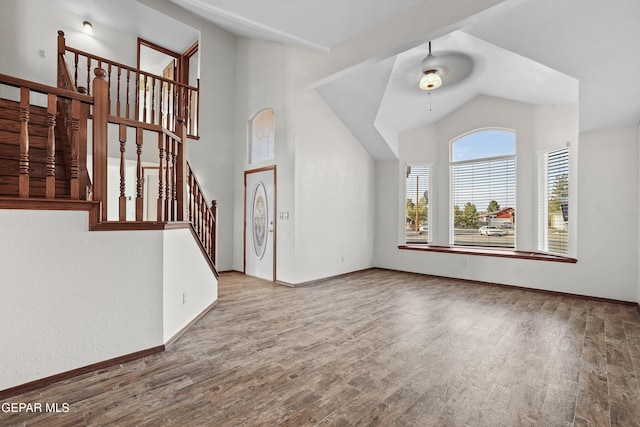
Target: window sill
x=537, y=256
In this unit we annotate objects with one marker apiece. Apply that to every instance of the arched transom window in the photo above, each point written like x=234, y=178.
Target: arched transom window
x=262, y=138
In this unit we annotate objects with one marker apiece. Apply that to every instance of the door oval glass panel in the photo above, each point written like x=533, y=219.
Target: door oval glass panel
x=259, y=220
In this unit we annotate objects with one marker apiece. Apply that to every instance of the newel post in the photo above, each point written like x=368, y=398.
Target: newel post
x=181, y=170
x=62, y=47
x=100, y=154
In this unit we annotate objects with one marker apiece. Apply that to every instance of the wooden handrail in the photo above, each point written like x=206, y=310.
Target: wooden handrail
x=44, y=89
x=100, y=60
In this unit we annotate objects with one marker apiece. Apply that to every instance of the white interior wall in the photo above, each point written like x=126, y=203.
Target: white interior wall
x=605, y=175
x=70, y=297
x=33, y=26
x=211, y=155
x=9, y=36
x=263, y=81
x=334, y=194
x=324, y=176
x=189, y=285
x=608, y=247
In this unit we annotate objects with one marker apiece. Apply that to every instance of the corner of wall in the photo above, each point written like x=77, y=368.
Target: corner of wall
x=638, y=239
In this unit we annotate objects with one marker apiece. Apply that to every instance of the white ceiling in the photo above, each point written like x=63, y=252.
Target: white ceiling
x=134, y=18
x=316, y=24
x=534, y=51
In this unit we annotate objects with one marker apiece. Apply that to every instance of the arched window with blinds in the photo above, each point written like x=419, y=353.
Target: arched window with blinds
x=483, y=189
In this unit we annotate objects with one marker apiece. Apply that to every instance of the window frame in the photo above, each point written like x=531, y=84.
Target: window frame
x=251, y=138
x=453, y=163
x=543, y=200
x=429, y=168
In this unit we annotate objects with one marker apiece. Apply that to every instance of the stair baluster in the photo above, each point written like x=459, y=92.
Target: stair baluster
x=139, y=177
x=50, y=180
x=128, y=78
x=75, y=150
x=23, y=186
x=160, y=207
x=122, y=201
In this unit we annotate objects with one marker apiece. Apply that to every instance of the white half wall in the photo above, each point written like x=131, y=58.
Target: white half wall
x=189, y=285
x=71, y=298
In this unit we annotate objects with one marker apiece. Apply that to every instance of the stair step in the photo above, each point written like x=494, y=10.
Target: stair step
x=35, y=141
x=11, y=110
x=37, y=167
x=9, y=187
x=14, y=127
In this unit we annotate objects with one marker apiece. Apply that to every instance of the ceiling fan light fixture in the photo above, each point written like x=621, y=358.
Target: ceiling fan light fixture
x=430, y=80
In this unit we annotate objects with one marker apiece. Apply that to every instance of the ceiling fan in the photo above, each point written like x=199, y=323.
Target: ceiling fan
x=432, y=72
x=447, y=68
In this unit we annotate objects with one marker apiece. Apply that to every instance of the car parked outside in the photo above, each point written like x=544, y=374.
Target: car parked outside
x=490, y=230
x=424, y=228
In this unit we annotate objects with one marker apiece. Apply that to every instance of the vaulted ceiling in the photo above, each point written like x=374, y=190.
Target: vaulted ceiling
x=533, y=51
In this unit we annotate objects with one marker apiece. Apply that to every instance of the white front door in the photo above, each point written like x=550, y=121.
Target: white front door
x=259, y=220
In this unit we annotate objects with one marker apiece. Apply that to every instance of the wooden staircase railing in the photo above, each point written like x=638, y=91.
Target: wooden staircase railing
x=153, y=146
x=67, y=125
x=135, y=94
x=39, y=165
x=179, y=195
x=202, y=215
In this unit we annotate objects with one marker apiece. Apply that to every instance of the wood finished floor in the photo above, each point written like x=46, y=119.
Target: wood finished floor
x=373, y=348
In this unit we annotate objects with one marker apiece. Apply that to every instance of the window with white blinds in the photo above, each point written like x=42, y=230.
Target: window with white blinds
x=483, y=190
x=553, y=202
x=417, y=204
